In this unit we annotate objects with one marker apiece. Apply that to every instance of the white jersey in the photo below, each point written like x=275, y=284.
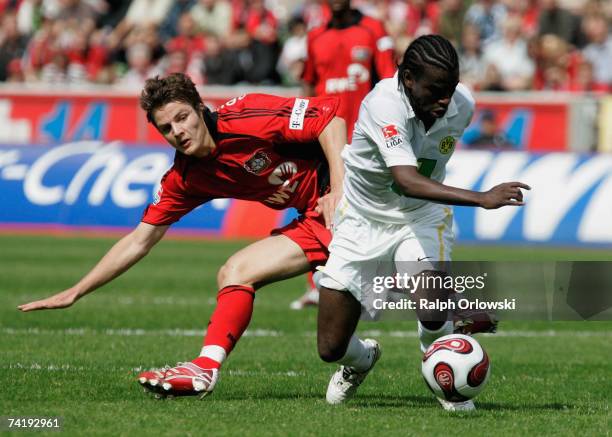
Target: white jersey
x=388, y=134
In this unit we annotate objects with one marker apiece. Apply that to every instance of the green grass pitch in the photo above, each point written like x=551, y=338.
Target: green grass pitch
x=81, y=363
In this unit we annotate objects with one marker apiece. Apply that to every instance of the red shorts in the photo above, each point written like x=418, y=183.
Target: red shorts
x=309, y=232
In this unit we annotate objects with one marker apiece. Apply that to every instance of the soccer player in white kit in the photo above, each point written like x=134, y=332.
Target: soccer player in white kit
x=394, y=205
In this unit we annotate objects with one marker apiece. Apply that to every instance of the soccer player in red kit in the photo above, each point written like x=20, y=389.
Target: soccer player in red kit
x=282, y=152
x=345, y=58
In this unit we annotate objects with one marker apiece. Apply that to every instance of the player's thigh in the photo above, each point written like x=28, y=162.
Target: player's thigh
x=431, y=240
x=269, y=260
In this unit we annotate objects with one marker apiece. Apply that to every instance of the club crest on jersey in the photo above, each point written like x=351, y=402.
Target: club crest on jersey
x=392, y=136
x=360, y=53
x=257, y=163
x=447, y=144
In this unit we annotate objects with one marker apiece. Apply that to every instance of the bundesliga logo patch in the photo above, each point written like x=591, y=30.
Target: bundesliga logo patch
x=392, y=136
x=257, y=163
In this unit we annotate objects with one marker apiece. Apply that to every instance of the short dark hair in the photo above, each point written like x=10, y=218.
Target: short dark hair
x=429, y=51
x=176, y=87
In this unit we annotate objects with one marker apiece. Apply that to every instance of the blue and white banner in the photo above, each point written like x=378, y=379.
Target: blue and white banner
x=95, y=184
x=570, y=201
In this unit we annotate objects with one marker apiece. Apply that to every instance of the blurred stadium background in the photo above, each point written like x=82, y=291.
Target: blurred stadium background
x=76, y=151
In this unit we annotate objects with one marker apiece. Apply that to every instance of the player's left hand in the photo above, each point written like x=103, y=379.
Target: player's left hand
x=60, y=300
x=326, y=206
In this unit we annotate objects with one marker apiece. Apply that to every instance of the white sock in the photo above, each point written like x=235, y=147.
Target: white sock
x=358, y=355
x=216, y=353
x=427, y=337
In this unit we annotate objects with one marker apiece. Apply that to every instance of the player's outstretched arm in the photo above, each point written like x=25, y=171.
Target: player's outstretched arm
x=413, y=184
x=332, y=140
x=124, y=254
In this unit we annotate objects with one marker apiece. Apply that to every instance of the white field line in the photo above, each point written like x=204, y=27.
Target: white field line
x=72, y=368
x=268, y=333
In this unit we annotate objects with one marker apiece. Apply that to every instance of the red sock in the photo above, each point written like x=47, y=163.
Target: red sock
x=227, y=323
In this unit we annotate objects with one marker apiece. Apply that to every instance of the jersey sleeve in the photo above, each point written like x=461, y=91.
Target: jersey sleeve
x=383, y=53
x=278, y=119
x=387, y=129
x=171, y=201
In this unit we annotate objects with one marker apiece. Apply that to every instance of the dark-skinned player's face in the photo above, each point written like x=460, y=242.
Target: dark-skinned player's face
x=339, y=5
x=431, y=92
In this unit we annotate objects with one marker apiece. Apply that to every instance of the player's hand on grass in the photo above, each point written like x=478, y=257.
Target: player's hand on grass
x=60, y=300
x=326, y=206
x=508, y=193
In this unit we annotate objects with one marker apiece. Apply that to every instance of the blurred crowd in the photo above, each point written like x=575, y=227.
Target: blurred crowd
x=504, y=45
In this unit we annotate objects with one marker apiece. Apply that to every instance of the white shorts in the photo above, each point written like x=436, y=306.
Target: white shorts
x=358, y=241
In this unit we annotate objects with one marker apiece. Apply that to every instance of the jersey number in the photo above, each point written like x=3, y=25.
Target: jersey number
x=425, y=167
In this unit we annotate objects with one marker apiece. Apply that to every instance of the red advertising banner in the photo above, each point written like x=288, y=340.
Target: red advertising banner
x=48, y=118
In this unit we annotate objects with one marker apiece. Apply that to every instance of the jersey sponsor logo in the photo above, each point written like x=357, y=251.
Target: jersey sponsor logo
x=258, y=163
x=296, y=121
x=360, y=53
x=282, y=173
x=392, y=136
x=282, y=176
x=356, y=74
x=447, y=144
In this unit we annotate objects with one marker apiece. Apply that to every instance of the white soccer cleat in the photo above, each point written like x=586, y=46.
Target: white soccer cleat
x=457, y=406
x=310, y=298
x=345, y=381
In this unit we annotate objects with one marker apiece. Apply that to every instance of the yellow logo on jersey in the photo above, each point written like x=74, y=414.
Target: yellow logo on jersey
x=447, y=144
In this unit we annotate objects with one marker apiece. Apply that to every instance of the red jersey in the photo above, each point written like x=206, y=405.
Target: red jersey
x=267, y=150
x=348, y=61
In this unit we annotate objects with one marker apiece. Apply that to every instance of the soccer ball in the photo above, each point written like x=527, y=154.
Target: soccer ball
x=455, y=367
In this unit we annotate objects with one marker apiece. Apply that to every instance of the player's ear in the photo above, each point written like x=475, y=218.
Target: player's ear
x=407, y=79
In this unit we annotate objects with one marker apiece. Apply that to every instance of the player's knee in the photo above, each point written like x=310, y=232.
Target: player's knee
x=232, y=273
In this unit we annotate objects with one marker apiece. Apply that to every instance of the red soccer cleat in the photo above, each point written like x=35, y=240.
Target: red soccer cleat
x=185, y=379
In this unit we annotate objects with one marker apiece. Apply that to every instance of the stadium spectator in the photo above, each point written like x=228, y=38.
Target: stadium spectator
x=141, y=65
x=471, y=63
x=598, y=51
x=407, y=229
x=213, y=17
x=422, y=17
x=258, y=155
x=507, y=63
x=261, y=26
x=169, y=27
x=315, y=13
x=558, y=21
x=487, y=133
x=556, y=64
x=487, y=16
x=29, y=16
x=12, y=44
x=291, y=60
x=451, y=21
